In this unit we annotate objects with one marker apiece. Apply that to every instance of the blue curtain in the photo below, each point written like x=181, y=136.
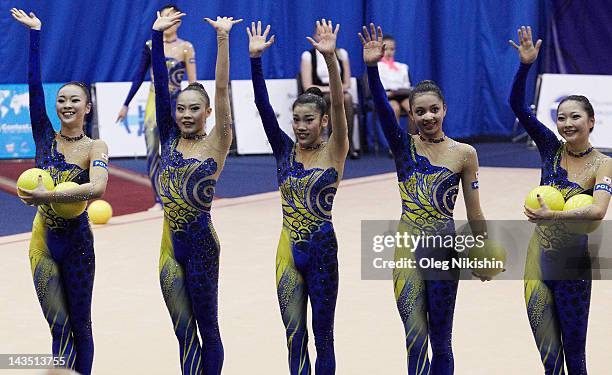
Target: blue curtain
x=578, y=42
x=462, y=45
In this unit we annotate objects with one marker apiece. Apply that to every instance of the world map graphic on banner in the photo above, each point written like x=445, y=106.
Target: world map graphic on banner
x=16, y=140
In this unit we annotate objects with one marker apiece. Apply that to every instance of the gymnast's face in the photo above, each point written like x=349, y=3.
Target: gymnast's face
x=165, y=13
x=389, y=49
x=71, y=105
x=427, y=112
x=573, y=122
x=308, y=124
x=191, y=112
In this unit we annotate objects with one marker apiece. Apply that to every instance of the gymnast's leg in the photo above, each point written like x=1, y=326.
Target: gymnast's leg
x=322, y=281
x=174, y=289
x=572, y=302
x=151, y=134
x=202, y=276
x=292, y=298
x=78, y=270
x=50, y=292
x=411, y=298
x=544, y=325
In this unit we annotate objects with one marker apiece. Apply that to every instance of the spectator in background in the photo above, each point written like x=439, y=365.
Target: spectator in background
x=319, y=77
x=395, y=80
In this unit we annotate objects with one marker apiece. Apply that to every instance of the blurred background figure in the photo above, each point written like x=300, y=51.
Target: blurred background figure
x=314, y=73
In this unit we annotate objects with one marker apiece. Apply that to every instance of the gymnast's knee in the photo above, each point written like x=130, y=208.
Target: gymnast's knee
x=82, y=329
x=324, y=339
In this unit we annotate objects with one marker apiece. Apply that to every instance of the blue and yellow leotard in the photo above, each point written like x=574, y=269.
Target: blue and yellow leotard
x=557, y=295
x=189, y=259
x=425, y=298
x=176, y=72
x=61, y=250
x=306, y=258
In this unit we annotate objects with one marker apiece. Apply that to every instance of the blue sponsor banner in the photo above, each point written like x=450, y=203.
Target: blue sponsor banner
x=16, y=139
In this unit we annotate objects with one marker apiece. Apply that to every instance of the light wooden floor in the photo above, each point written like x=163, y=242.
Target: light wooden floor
x=133, y=333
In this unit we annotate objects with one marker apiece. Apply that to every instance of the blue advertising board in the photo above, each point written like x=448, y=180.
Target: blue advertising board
x=16, y=140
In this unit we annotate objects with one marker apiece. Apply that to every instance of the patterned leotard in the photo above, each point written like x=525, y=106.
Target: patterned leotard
x=425, y=298
x=189, y=259
x=557, y=292
x=306, y=258
x=61, y=250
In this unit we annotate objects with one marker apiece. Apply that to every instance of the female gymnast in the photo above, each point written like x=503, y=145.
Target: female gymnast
x=308, y=174
x=191, y=162
x=558, y=297
x=430, y=167
x=180, y=59
x=61, y=250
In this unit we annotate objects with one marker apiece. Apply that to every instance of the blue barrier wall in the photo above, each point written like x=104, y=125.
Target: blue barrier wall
x=462, y=45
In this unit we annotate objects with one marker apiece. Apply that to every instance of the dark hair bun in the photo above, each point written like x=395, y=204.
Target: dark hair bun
x=314, y=91
x=425, y=87
x=313, y=95
x=427, y=83
x=196, y=85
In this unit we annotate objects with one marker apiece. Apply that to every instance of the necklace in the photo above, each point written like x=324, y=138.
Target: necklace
x=195, y=137
x=432, y=140
x=71, y=139
x=170, y=41
x=313, y=147
x=578, y=154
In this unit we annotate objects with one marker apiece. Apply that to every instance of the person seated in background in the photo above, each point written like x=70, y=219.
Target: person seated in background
x=319, y=77
x=395, y=80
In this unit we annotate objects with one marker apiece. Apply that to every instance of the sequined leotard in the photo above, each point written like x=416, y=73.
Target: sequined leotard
x=189, y=259
x=425, y=299
x=61, y=250
x=306, y=258
x=557, y=297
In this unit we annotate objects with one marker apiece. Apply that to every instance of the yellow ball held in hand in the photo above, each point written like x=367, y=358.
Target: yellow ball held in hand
x=100, y=212
x=68, y=210
x=552, y=198
x=582, y=226
x=487, y=257
x=29, y=179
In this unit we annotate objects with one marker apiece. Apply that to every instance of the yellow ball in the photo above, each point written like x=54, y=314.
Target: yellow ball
x=551, y=196
x=29, y=179
x=100, y=212
x=581, y=226
x=577, y=201
x=68, y=210
x=488, y=254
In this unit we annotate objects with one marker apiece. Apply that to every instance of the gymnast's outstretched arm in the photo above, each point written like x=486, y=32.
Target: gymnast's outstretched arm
x=42, y=130
x=222, y=132
x=544, y=138
x=163, y=107
x=257, y=45
x=137, y=80
x=326, y=45
x=373, y=51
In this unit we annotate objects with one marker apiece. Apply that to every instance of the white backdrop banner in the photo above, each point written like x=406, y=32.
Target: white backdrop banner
x=126, y=139
x=555, y=87
x=250, y=135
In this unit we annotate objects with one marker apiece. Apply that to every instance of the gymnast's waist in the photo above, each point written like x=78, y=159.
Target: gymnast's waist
x=422, y=224
x=46, y=217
